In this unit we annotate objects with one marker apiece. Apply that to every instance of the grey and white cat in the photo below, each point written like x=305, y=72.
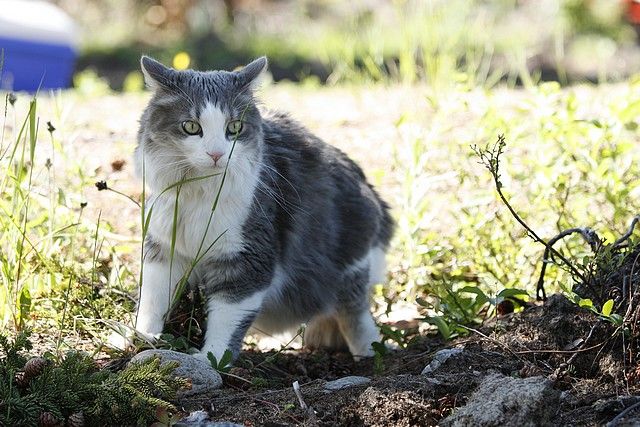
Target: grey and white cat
x=297, y=235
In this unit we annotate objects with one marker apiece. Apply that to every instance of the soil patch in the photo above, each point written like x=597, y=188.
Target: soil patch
x=571, y=348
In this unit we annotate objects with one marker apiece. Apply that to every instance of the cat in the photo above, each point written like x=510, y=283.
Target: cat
x=297, y=234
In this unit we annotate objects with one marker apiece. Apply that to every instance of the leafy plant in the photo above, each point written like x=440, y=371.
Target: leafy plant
x=74, y=387
x=224, y=364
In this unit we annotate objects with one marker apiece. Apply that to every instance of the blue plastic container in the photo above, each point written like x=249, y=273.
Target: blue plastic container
x=31, y=65
x=37, y=44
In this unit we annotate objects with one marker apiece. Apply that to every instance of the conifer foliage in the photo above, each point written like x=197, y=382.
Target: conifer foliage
x=74, y=391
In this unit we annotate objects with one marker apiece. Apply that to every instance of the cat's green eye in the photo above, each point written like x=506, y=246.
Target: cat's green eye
x=234, y=127
x=191, y=127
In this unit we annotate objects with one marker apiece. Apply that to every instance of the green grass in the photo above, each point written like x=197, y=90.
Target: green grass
x=571, y=160
x=56, y=263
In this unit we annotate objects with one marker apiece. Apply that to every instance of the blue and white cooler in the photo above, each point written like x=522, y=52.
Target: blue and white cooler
x=38, y=45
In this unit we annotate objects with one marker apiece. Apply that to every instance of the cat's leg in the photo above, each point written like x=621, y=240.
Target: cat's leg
x=228, y=320
x=160, y=276
x=323, y=332
x=353, y=313
x=159, y=280
x=359, y=331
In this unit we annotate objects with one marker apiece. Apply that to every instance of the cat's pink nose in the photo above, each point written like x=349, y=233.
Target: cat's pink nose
x=216, y=155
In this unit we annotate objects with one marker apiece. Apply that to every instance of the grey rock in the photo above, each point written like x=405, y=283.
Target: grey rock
x=345, y=382
x=439, y=358
x=502, y=400
x=203, y=377
x=201, y=419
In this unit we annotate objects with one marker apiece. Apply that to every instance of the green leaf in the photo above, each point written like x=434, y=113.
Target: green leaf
x=25, y=304
x=441, y=324
x=225, y=360
x=379, y=348
x=212, y=360
x=512, y=292
x=585, y=302
x=607, y=307
x=616, y=319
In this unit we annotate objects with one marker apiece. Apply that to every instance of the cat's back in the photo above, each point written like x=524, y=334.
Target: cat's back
x=329, y=182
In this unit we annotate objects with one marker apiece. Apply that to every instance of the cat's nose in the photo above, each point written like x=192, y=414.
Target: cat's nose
x=216, y=155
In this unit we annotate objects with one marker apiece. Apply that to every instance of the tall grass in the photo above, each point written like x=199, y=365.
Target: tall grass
x=52, y=258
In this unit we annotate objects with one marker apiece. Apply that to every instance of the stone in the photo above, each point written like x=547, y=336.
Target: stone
x=439, y=358
x=201, y=419
x=502, y=400
x=203, y=377
x=345, y=382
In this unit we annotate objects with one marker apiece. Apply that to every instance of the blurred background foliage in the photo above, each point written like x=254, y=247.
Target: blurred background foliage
x=367, y=40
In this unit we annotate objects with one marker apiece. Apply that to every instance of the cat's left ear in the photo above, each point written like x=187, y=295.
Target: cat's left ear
x=155, y=74
x=251, y=74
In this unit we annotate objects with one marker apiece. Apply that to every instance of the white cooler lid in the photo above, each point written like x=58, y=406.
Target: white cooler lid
x=37, y=21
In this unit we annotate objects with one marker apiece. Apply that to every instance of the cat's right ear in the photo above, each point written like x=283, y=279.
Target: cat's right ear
x=155, y=74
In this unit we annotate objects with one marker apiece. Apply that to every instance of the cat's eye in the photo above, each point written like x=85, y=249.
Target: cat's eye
x=234, y=127
x=191, y=127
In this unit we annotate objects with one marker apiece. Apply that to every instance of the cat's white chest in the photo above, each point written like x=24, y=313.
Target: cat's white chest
x=198, y=230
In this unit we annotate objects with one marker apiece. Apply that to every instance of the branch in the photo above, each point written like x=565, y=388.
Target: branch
x=490, y=158
x=628, y=234
x=587, y=234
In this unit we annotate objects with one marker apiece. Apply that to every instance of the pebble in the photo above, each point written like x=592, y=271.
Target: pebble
x=439, y=358
x=345, y=382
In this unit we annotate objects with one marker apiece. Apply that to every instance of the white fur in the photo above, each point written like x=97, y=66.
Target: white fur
x=197, y=198
x=195, y=204
x=268, y=325
x=158, y=285
x=222, y=321
x=377, y=266
x=359, y=333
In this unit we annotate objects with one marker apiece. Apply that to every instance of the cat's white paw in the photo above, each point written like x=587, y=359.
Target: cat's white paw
x=363, y=353
x=123, y=339
x=120, y=341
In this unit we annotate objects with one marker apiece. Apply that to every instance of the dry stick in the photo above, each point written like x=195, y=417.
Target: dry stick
x=587, y=234
x=308, y=410
x=628, y=234
x=491, y=160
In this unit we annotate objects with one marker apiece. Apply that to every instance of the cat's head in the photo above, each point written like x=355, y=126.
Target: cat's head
x=196, y=120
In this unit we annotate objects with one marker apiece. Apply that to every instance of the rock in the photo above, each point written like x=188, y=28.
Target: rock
x=439, y=358
x=345, y=382
x=201, y=419
x=502, y=400
x=203, y=377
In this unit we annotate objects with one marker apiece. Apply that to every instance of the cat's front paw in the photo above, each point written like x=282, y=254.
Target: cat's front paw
x=124, y=338
x=120, y=341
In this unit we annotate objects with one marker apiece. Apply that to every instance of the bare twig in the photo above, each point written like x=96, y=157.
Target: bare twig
x=296, y=390
x=490, y=158
x=628, y=234
x=496, y=342
x=308, y=410
x=587, y=234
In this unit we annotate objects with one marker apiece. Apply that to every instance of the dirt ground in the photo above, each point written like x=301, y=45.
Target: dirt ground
x=570, y=346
